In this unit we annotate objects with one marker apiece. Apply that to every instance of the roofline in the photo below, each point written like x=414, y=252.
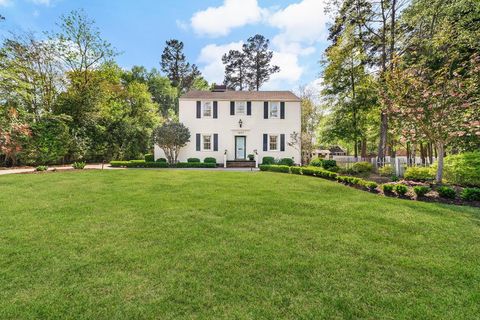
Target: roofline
x=224, y=99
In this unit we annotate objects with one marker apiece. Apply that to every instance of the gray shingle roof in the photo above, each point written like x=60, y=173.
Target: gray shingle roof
x=241, y=95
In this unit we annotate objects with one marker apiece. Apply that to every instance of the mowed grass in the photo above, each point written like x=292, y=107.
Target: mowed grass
x=143, y=244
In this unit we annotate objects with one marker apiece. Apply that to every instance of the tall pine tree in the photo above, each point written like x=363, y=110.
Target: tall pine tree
x=236, y=68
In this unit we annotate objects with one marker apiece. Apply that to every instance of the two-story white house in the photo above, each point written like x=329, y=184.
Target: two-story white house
x=230, y=125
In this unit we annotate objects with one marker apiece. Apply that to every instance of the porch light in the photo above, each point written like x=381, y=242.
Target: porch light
x=240, y=123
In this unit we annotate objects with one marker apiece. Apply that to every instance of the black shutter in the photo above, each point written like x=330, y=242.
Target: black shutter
x=265, y=142
x=282, y=110
x=215, y=142
x=265, y=110
x=198, y=141
x=232, y=108
x=199, y=109
x=282, y=142
x=215, y=109
x=249, y=108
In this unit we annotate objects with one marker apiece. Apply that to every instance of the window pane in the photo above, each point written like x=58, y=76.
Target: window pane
x=273, y=142
x=207, y=142
x=274, y=106
x=207, y=109
x=240, y=107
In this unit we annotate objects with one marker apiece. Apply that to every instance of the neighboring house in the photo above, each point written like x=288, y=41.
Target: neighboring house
x=230, y=125
x=323, y=152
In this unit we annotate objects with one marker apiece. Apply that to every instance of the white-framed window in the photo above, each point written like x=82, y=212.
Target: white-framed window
x=207, y=142
x=274, y=111
x=273, y=142
x=207, y=109
x=240, y=107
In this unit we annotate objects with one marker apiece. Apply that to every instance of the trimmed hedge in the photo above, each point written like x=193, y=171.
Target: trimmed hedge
x=470, y=194
x=316, y=162
x=387, y=188
x=420, y=191
x=419, y=174
x=286, y=162
x=195, y=165
x=143, y=164
x=329, y=165
x=446, y=192
x=210, y=160
x=149, y=158
x=296, y=170
x=193, y=160
x=161, y=160
x=401, y=189
x=268, y=160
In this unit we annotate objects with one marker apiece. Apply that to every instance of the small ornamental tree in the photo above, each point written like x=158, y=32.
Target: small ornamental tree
x=171, y=137
x=436, y=105
x=13, y=134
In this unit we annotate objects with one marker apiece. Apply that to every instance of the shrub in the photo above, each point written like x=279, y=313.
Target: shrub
x=119, y=164
x=193, y=160
x=462, y=169
x=419, y=174
x=149, y=158
x=470, y=194
x=316, y=162
x=280, y=168
x=195, y=165
x=210, y=160
x=386, y=171
x=401, y=189
x=420, y=191
x=41, y=168
x=446, y=192
x=361, y=167
x=251, y=157
x=264, y=167
x=296, y=170
x=394, y=178
x=333, y=169
x=138, y=164
x=387, y=188
x=161, y=160
x=137, y=161
x=79, y=165
x=308, y=171
x=286, y=162
x=370, y=185
x=268, y=160
x=329, y=164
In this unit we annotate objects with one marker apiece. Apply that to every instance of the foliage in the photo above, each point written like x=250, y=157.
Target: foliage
x=296, y=170
x=387, y=188
x=386, y=171
x=79, y=165
x=161, y=160
x=286, y=162
x=446, y=192
x=138, y=164
x=316, y=162
x=361, y=167
x=421, y=191
x=13, y=133
x=401, y=189
x=209, y=160
x=251, y=157
x=268, y=160
x=236, y=68
x=149, y=158
x=470, y=194
x=329, y=165
x=195, y=165
x=193, y=160
x=41, y=168
x=419, y=174
x=463, y=169
x=171, y=137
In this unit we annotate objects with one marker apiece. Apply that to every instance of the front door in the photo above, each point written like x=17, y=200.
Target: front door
x=240, y=147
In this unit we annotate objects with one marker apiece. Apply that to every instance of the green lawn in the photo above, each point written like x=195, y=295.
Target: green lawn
x=233, y=245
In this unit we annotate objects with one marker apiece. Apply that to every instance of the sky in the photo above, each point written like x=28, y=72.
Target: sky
x=297, y=30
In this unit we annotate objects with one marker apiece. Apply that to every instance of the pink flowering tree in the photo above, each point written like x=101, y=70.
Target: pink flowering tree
x=438, y=106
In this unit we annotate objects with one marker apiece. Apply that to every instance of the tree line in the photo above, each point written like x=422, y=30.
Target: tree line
x=63, y=98
x=402, y=74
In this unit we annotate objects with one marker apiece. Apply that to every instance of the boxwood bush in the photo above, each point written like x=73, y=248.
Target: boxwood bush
x=401, y=189
x=470, y=194
x=361, y=167
x=268, y=160
x=149, y=158
x=210, y=160
x=316, y=162
x=330, y=165
x=308, y=171
x=446, y=192
x=161, y=160
x=286, y=162
x=387, y=188
x=280, y=168
x=195, y=165
x=296, y=170
x=193, y=160
x=419, y=174
x=386, y=171
x=421, y=191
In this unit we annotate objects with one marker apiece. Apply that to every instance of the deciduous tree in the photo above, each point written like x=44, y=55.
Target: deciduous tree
x=171, y=137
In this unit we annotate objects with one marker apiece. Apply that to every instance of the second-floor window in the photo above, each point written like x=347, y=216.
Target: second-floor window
x=240, y=107
x=207, y=142
x=207, y=109
x=274, y=109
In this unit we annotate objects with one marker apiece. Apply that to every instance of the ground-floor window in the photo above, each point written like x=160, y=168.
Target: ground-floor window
x=207, y=142
x=273, y=143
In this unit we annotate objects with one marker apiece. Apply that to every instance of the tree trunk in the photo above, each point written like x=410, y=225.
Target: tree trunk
x=364, y=147
x=382, y=145
x=440, y=151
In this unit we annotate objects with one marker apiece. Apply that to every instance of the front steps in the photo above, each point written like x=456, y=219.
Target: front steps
x=240, y=164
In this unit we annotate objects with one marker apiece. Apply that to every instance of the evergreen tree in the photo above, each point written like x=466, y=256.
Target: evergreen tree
x=235, y=69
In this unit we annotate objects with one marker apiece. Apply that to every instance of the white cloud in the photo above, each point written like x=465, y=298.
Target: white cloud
x=42, y=2
x=290, y=71
x=182, y=24
x=218, y=21
x=211, y=58
x=5, y=3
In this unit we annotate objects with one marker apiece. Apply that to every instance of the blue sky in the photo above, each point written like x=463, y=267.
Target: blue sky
x=209, y=28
